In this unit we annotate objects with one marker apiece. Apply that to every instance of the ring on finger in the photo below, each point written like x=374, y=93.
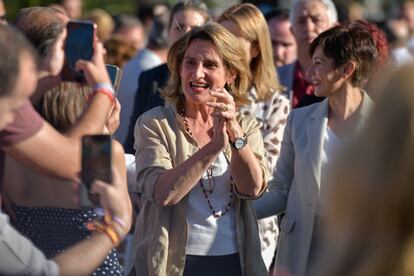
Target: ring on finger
x=226, y=107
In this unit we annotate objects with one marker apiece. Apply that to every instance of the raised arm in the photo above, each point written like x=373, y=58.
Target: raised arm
x=248, y=167
x=156, y=177
x=55, y=154
x=91, y=252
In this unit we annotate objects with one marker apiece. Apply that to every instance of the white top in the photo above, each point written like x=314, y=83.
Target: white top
x=210, y=236
x=332, y=144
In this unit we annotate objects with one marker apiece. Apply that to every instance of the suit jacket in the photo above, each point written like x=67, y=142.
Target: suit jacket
x=294, y=188
x=286, y=78
x=147, y=97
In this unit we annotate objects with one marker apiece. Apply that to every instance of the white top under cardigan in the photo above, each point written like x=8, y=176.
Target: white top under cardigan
x=210, y=236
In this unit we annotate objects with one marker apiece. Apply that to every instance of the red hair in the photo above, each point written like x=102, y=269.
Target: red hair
x=380, y=40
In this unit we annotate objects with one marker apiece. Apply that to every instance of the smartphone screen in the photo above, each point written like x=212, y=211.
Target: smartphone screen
x=115, y=76
x=96, y=165
x=78, y=45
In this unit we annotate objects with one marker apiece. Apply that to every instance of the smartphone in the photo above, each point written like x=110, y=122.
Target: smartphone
x=115, y=76
x=96, y=165
x=79, y=45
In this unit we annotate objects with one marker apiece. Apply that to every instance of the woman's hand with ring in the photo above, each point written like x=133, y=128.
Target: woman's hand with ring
x=226, y=109
x=224, y=104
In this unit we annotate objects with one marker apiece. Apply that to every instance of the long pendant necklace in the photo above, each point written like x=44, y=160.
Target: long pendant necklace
x=210, y=178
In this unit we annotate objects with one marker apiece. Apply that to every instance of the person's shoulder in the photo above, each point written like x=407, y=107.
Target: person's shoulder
x=156, y=114
x=160, y=68
x=309, y=111
x=285, y=69
x=154, y=73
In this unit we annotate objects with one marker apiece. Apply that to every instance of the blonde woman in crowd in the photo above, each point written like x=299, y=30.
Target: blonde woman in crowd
x=199, y=165
x=371, y=225
x=267, y=103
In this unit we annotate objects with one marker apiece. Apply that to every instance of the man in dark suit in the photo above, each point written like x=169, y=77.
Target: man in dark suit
x=184, y=17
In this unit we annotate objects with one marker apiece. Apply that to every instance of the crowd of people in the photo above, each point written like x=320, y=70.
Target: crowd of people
x=243, y=142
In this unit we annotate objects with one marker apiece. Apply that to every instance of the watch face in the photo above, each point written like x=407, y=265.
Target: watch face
x=239, y=143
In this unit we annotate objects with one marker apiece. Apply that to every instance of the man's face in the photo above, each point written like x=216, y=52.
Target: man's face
x=283, y=41
x=25, y=85
x=134, y=35
x=2, y=13
x=310, y=19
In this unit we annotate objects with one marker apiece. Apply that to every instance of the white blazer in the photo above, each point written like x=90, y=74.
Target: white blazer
x=294, y=188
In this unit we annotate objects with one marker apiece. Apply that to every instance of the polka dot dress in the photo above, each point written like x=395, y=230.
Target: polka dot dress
x=53, y=230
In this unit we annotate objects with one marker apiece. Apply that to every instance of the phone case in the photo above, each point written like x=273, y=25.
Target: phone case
x=96, y=165
x=78, y=45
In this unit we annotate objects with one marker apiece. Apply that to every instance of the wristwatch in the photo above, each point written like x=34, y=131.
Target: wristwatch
x=239, y=142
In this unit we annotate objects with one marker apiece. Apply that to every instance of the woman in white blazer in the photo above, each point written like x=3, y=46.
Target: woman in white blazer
x=341, y=59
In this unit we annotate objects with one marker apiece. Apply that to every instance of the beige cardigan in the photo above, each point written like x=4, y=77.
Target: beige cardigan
x=161, y=143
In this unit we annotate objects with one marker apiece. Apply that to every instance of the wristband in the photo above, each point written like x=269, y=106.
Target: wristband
x=119, y=221
x=103, y=85
x=105, y=91
x=108, y=225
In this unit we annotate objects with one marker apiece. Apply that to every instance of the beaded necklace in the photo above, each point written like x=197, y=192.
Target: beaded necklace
x=209, y=177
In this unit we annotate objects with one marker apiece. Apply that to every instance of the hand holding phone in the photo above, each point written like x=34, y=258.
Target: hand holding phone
x=78, y=46
x=96, y=165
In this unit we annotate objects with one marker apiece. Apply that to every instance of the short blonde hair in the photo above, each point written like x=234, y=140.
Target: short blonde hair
x=228, y=48
x=253, y=27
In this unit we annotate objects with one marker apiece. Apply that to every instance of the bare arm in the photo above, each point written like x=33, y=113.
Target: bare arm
x=87, y=255
x=54, y=154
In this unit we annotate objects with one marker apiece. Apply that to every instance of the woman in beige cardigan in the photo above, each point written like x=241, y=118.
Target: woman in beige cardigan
x=199, y=163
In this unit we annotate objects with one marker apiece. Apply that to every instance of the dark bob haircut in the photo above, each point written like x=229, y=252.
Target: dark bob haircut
x=346, y=42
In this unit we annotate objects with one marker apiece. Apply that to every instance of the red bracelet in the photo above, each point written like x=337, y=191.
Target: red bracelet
x=105, y=91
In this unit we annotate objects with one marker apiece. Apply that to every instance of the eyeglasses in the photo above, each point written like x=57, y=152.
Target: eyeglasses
x=179, y=28
x=183, y=28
